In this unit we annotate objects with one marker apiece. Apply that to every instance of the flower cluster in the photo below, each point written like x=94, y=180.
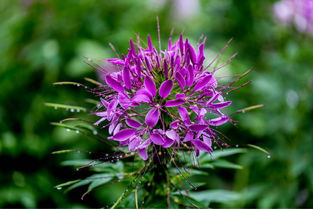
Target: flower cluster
x=166, y=98
x=299, y=12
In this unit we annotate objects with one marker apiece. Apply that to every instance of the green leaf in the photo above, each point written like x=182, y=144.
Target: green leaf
x=66, y=184
x=226, y=164
x=186, y=201
x=218, y=196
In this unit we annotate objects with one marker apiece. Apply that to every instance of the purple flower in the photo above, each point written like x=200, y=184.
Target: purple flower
x=162, y=98
x=298, y=12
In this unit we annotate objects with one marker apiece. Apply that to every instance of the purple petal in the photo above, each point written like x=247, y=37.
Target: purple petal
x=180, y=80
x=157, y=139
x=183, y=113
x=200, y=145
x=192, y=54
x=190, y=76
x=172, y=135
x=143, y=153
x=142, y=96
x=150, y=86
x=117, y=128
x=144, y=144
x=134, y=143
x=150, y=43
x=126, y=77
x=167, y=142
x=101, y=114
x=116, y=61
x=166, y=88
x=124, y=134
x=213, y=99
x=174, y=124
x=220, y=105
x=180, y=96
x=181, y=44
x=165, y=69
x=173, y=103
x=201, y=56
x=203, y=82
x=218, y=121
x=104, y=103
x=114, y=84
x=198, y=127
x=133, y=123
x=189, y=136
x=207, y=141
x=152, y=117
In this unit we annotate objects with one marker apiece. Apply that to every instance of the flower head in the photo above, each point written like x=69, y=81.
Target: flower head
x=299, y=12
x=166, y=98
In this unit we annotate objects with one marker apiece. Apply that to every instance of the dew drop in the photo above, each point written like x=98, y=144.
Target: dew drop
x=106, y=154
x=78, y=85
x=77, y=131
x=237, y=145
x=94, y=132
x=59, y=188
x=55, y=108
x=68, y=129
x=77, y=169
x=269, y=156
x=78, y=110
x=72, y=110
x=86, y=87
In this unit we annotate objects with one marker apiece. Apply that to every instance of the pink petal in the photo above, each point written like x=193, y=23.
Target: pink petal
x=173, y=103
x=166, y=88
x=157, y=139
x=192, y=54
x=198, y=127
x=143, y=153
x=150, y=85
x=124, y=134
x=114, y=84
x=218, y=121
x=152, y=117
x=133, y=123
x=200, y=145
x=190, y=76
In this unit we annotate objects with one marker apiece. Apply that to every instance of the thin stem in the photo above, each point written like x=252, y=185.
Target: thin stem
x=136, y=198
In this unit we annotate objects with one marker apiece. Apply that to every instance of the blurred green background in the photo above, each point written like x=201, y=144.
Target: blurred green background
x=44, y=41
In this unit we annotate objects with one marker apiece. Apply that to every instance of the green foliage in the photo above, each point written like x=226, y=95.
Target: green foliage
x=43, y=42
